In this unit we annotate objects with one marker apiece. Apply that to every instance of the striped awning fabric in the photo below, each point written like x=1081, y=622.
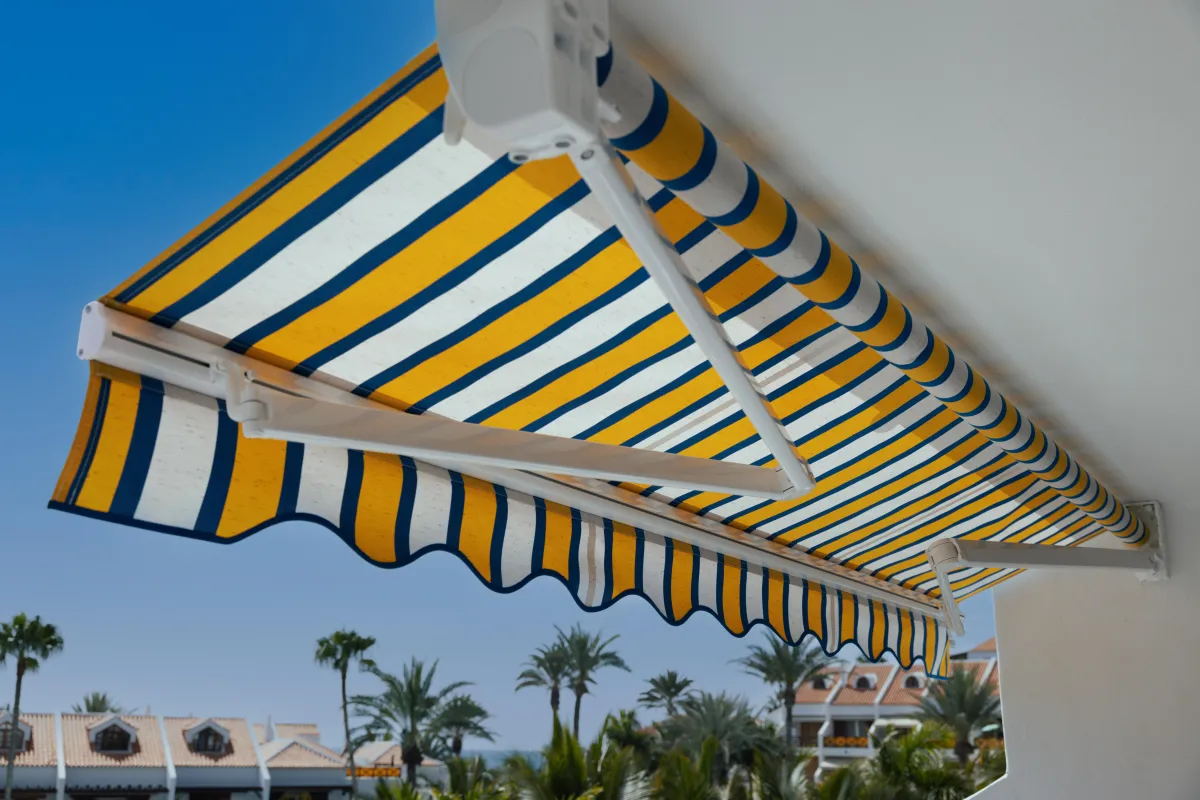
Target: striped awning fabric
x=448, y=280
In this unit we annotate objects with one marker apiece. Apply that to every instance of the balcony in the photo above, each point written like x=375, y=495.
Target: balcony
x=847, y=746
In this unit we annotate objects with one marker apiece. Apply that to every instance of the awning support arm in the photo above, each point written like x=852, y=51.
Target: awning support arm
x=1148, y=561
x=525, y=75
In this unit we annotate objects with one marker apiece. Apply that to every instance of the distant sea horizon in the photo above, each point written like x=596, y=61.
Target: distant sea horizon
x=496, y=758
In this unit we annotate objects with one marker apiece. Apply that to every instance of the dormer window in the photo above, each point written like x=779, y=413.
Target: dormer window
x=112, y=735
x=207, y=737
x=17, y=736
x=820, y=684
x=912, y=682
x=862, y=682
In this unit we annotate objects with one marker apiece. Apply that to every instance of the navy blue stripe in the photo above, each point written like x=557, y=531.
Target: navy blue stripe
x=366, y=264
x=405, y=508
x=668, y=569
x=458, y=275
x=744, y=207
x=694, y=237
x=922, y=356
x=780, y=323
x=804, y=603
x=289, y=494
x=901, y=338
x=282, y=179
x=699, y=171
x=610, y=296
x=639, y=556
x=348, y=518
x=725, y=270
x=648, y=128
x=720, y=601
x=1000, y=416
x=766, y=290
x=141, y=449
x=221, y=473
x=851, y=289
x=573, y=560
x=766, y=596
x=825, y=618
x=818, y=269
x=604, y=66
x=499, y=529
x=305, y=220
x=458, y=497
x=946, y=372
x=784, y=240
x=89, y=449
x=965, y=390
x=987, y=396
x=785, y=602
x=1016, y=429
x=607, y=596
x=877, y=314
x=539, y=534
x=695, y=578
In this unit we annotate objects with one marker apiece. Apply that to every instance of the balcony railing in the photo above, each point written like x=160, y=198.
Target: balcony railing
x=847, y=741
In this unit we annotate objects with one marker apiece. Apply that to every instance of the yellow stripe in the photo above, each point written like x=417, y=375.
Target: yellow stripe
x=82, y=433
x=254, y=486
x=731, y=594
x=774, y=611
x=351, y=153
x=109, y=459
x=264, y=180
x=835, y=281
x=930, y=644
x=974, y=398
x=816, y=611
x=939, y=359
x=496, y=212
x=682, y=564
x=906, y=636
x=765, y=223
x=878, y=622
x=846, y=616
x=378, y=502
x=623, y=559
x=556, y=553
x=478, y=522
x=889, y=327
x=677, y=147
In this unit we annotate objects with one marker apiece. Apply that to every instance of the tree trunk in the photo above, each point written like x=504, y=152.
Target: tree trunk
x=349, y=742
x=410, y=774
x=962, y=750
x=788, y=711
x=575, y=727
x=13, y=730
x=555, y=699
x=456, y=745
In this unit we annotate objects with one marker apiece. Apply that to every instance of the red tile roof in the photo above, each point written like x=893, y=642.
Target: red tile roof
x=805, y=693
x=297, y=730
x=985, y=647
x=41, y=750
x=298, y=754
x=849, y=696
x=78, y=750
x=240, y=753
x=897, y=695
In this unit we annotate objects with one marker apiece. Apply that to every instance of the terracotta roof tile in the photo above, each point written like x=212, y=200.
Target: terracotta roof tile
x=298, y=730
x=240, y=752
x=897, y=695
x=849, y=696
x=78, y=750
x=988, y=646
x=805, y=693
x=385, y=754
x=295, y=754
x=41, y=750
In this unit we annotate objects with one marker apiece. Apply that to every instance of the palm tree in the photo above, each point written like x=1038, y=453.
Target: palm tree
x=785, y=667
x=843, y=783
x=780, y=776
x=912, y=767
x=97, y=703
x=725, y=719
x=460, y=717
x=963, y=705
x=567, y=772
x=470, y=779
x=682, y=778
x=547, y=668
x=624, y=732
x=29, y=642
x=586, y=653
x=387, y=790
x=665, y=691
x=340, y=650
x=408, y=708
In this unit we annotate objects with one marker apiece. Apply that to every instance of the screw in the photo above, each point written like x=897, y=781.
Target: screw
x=563, y=144
x=518, y=158
x=586, y=154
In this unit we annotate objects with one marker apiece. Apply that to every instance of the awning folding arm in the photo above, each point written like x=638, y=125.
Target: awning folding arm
x=1148, y=561
x=524, y=73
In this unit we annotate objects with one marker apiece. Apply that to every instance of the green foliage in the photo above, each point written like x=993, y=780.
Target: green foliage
x=844, y=783
x=394, y=790
x=339, y=650
x=912, y=767
x=587, y=654
x=568, y=772
x=992, y=766
x=459, y=717
x=28, y=642
x=785, y=667
x=470, y=779
x=97, y=703
x=548, y=668
x=780, y=776
x=665, y=691
x=725, y=718
x=682, y=777
x=963, y=705
x=407, y=708
x=625, y=732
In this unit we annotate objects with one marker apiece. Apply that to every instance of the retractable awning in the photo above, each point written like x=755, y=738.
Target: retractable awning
x=382, y=275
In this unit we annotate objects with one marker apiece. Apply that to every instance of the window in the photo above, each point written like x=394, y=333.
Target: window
x=209, y=741
x=912, y=682
x=11, y=737
x=851, y=728
x=862, y=682
x=113, y=739
x=810, y=732
x=819, y=684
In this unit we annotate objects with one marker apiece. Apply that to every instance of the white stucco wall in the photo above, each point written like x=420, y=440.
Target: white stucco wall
x=1099, y=682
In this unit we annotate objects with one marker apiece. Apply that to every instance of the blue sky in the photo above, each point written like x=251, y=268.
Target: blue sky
x=127, y=124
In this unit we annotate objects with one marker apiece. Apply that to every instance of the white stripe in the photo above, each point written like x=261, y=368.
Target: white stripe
x=797, y=624
x=653, y=569
x=724, y=187
x=431, y=508
x=865, y=303
x=893, y=630
x=379, y=211
x=516, y=554
x=182, y=460
x=753, y=593
x=322, y=482
x=509, y=274
x=707, y=590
